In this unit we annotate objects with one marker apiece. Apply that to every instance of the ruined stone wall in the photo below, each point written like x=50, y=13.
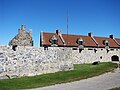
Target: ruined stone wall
x=30, y=61
x=23, y=38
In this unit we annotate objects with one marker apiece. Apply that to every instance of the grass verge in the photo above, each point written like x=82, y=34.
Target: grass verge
x=81, y=71
x=115, y=88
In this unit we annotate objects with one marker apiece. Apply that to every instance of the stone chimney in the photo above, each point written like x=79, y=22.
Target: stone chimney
x=111, y=36
x=58, y=32
x=90, y=34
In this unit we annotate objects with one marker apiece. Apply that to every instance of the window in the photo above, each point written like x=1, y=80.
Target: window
x=74, y=49
x=54, y=40
x=100, y=57
x=81, y=44
x=106, y=42
x=90, y=49
x=112, y=49
x=80, y=41
x=45, y=47
x=14, y=47
x=95, y=50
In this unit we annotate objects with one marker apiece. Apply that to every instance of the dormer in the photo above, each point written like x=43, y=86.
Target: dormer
x=80, y=42
x=54, y=41
x=106, y=43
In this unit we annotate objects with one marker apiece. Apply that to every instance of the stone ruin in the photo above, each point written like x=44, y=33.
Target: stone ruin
x=23, y=38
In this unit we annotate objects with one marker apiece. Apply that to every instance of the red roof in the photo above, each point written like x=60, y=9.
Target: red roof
x=48, y=36
x=118, y=40
x=71, y=40
x=101, y=39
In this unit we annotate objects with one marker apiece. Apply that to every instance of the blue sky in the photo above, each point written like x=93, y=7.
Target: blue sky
x=101, y=17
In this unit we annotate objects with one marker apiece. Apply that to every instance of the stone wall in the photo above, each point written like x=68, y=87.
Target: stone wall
x=90, y=55
x=30, y=61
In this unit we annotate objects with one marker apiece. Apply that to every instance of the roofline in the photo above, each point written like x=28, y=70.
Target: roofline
x=66, y=34
x=116, y=42
x=80, y=35
x=48, y=33
x=96, y=43
x=100, y=37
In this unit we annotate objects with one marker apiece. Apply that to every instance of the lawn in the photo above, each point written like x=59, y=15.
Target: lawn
x=81, y=71
x=115, y=88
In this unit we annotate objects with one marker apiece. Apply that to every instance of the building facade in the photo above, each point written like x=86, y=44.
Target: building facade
x=83, y=44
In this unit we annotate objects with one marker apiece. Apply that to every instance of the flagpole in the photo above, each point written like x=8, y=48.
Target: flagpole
x=67, y=27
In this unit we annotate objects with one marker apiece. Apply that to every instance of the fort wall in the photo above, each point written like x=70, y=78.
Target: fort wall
x=30, y=61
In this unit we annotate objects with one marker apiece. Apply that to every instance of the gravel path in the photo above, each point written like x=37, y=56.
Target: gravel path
x=102, y=82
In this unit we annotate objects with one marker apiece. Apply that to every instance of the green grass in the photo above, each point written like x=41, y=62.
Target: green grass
x=115, y=88
x=81, y=71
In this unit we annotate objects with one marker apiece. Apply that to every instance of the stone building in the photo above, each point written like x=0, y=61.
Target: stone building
x=83, y=43
x=23, y=38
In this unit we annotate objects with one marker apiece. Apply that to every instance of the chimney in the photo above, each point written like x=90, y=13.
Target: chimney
x=58, y=32
x=111, y=36
x=90, y=34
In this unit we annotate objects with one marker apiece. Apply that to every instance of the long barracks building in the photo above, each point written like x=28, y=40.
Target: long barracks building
x=97, y=48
